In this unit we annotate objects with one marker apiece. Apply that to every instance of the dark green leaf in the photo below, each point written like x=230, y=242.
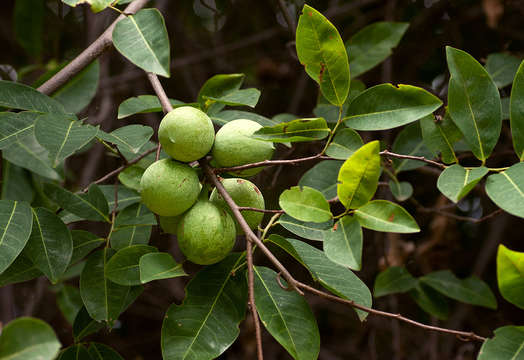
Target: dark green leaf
x=307, y=230
x=126, y=196
x=69, y=302
x=440, y=136
x=506, y=189
x=16, y=183
x=15, y=125
x=323, y=177
x=23, y=97
x=15, y=227
x=344, y=144
x=84, y=325
x=242, y=97
x=456, y=182
x=22, y=269
x=83, y=243
x=510, y=275
x=159, y=265
x=216, y=87
x=393, y=280
x=143, y=104
x=383, y=215
x=75, y=352
x=123, y=268
x=294, y=131
x=502, y=68
x=343, y=243
x=103, y=352
x=132, y=226
x=306, y=204
x=409, y=142
x=430, y=301
x=516, y=112
x=507, y=344
x=130, y=137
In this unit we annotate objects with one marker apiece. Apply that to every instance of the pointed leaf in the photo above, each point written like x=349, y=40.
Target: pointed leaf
x=321, y=50
x=132, y=226
x=323, y=177
x=506, y=189
x=206, y=323
x=516, y=112
x=304, y=229
x=383, y=215
x=409, y=142
x=216, y=87
x=358, y=176
x=440, y=136
x=306, y=204
x=14, y=125
x=143, y=104
x=159, y=265
x=398, y=106
x=474, y=102
x=142, y=38
x=430, y=301
x=507, y=344
x=15, y=228
x=510, y=275
x=401, y=190
x=84, y=325
x=344, y=144
x=75, y=352
x=298, y=130
x=83, y=243
x=242, y=97
x=286, y=315
x=393, y=280
x=456, y=182
x=123, y=268
x=23, y=97
x=103, y=352
x=126, y=196
x=130, y=137
x=502, y=68
x=343, y=243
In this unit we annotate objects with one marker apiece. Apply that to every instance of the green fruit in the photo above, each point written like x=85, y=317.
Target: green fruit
x=169, y=224
x=168, y=188
x=206, y=233
x=245, y=194
x=234, y=146
x=186, y=134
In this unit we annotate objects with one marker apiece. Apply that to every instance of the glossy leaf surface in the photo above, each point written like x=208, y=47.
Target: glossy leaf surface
x=15, y=227
x=159, y=265
x=306, y=204
x=383, y=215
x=294, y=131
x=507, y=344
x=307, y=230
x=343, y=243
x=456, y=182
x=323, y=177
x=123, y=268
x=506, y=189
x=510, y=275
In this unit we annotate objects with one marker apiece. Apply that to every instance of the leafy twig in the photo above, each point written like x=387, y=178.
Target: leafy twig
x=411, y=157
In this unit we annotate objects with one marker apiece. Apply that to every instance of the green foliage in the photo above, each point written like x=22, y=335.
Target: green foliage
x=124, y=267
x=343, y=243
x=409, y=142
x=323, y=177
x=143, y=104
x=383, y=215
x=516, y=112
x=506, y=189
x=440, y=136
x=510, y=275
x=502, y=68
x=395, y=279
x=294, y=131
x=456, y=182
x=505, y=345
x=159, y=265
x=305, y=204
x=15, y=226
x=344, y=144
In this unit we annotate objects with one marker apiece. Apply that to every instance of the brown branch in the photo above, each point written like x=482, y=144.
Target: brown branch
x=160, y=93
x=247, y=208
x=251, y=294
x=410, y=157
x=87, y=56
x=270, y=163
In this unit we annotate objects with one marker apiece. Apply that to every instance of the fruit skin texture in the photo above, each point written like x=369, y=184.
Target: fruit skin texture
x=245, y=194
x=206, y=233
x=168, y=188
x=234, y=146
x=186, y=134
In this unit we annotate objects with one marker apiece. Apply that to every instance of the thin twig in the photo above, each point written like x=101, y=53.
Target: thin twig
x=159, y=90
x=462, y=218
x=268, y=163
x=410, y=157
x=251, y=294
x=247, y=208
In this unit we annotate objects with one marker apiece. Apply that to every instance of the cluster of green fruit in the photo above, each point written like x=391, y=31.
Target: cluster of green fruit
x=204, y=226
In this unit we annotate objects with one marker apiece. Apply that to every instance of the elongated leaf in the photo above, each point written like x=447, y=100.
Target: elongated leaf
x=28, y=338
x=130, y=137
x=307, y=230
x=373, y=44
x=103, y=299
x=159, y=265
x=440, y=136
x=16, y=183
x=132, y=226
x=516, y=112
x=85, y=325
x=343, y=243
x=507, y=344
x=456, y=182
x=62, y=136
x=75, y=352
x=321, y=50
x=142, y=38
x=401, y=190
x=206, y=323
x=242, y=97
x=14, y=125
x=143, y=104
x=216, y=87
x=23, y=97
x=337, y=279
x=383, y=215
x=409, y=142
x=286, y=315
x=22, y=269
x=506, y=189
x=510, y=275
x=393, y=280
x=471, y=290
x=398, y=106
x=103, y=352
x=123, y=267
x=502, y=68
x=344, y=144
x=430, y=301
x=294, y=131
x=323, y=177
x=15, y=228
x=474, y=102
x=306, y=204
x=226, y=116
x=50, y=245
x=70, y=302
x=358, y=176
x=83, y=243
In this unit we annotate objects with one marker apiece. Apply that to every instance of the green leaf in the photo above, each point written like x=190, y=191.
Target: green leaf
x=206, y=323
x=159, y=265
x=85, y=325
x=306, y=204
x=242, y=97
x=373, y=44
x=516, y=112
x=123, y=268
x=323, y=177
x=456, y=182
x=506, y=189
x=132, y=226
x=471, y=290
x=131, y=177
x=298, y=130
x=90, y=206
x=510, y=275
x=29, y=23
x=143, y=104
x=15, y=227
x=83, y=243
x=474, y=102
x=286, y=315
x=502, y=68
x=75, y=352
x=358, y=176
x=78, y=92
x=401, y=190
x=344, y=144
x=383, y=215
x=343, y=243
x=23, y=97
x=397, y=106
x=226, y=116
x=321, y=50
x=440, y=136
x=430, y=301
x=50, y=246
x=16, y=183
x=130, y=137
x=507, y=344
x=103, y=299
x=28, y=338
x=409, y=142
x=393, y=280
x=335, y=278
x=22, y=269
x=307, y=230
x=142, y=38
x=126, y=196
x=69, y=302
x=62, y=136
x=103, y=352
x=15, y=125
x=218, y=86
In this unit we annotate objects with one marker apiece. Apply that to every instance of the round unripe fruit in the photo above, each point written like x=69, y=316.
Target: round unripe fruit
x=169, y=224
x=186, y=134
x=245, y=194
x=234, y=146
x=168, y=188
x=206, y=233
